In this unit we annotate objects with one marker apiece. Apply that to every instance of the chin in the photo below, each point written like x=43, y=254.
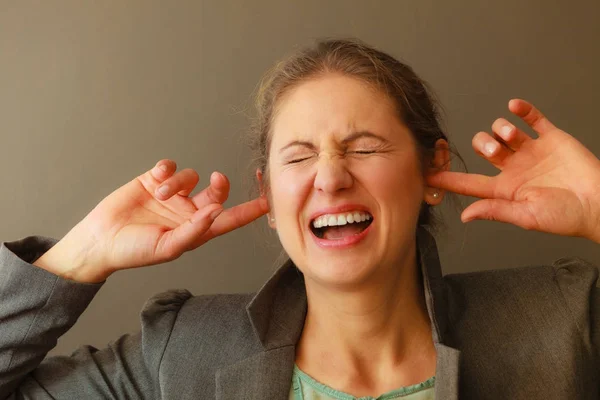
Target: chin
x=339, y=272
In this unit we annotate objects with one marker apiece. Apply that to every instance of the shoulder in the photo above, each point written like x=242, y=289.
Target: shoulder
x=204, y=324
x=191, y=337
x=524, y=298
x=184, y=311
x=573, y=277
x=524, y=319
x=566, y=274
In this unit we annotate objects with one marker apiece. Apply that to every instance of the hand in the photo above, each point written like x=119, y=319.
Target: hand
x=549, y=184
x=138, y=226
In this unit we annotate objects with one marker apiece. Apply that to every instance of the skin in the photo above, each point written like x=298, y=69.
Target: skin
x=355, y=336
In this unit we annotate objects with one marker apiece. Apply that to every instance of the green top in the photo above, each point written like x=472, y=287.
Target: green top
x=306, y=388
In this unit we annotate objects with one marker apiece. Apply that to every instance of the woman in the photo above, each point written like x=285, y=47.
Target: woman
x=351, y=161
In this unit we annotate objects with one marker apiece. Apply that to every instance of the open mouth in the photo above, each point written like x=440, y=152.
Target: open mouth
x=340, y=226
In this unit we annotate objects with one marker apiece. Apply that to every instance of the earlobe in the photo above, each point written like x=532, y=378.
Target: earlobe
x=433, y=196
x=271, y=221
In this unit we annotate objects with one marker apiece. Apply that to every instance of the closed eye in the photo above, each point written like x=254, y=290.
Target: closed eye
x=363, y=151
x=298, y=160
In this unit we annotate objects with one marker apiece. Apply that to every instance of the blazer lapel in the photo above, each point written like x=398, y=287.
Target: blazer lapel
x=266, y=375
x=436, y=297
x=447, y=372
x=277, y=314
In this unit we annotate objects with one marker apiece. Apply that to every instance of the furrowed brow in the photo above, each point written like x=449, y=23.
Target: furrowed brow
x=302, y=143
x=348, y=139
x=362, y=134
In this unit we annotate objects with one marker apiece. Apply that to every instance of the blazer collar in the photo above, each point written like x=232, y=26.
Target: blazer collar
x=277, y=314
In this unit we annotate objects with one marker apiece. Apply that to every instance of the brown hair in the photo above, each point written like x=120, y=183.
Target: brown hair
x=416, y=105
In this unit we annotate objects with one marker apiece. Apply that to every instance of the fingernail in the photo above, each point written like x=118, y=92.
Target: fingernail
x=164, y=190
x=214, y=176
x=490, y=147
x=505, y=131
x=159, y=169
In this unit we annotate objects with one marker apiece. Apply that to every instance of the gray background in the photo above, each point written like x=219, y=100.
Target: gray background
x=94, y=93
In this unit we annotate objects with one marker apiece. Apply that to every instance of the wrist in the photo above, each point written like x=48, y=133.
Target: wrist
x=61, y=260
x=594, y=230
x=595, y=237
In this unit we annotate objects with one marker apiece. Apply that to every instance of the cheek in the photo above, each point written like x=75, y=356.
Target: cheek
x=393, y=181
x=289, y=191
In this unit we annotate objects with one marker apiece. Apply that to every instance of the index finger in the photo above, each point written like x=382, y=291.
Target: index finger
x=475, y=185
x=531, y=115
x=238, y=216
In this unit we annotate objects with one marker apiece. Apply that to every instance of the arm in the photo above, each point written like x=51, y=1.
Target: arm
x=37, y=307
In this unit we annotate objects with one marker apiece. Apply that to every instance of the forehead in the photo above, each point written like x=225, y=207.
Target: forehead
x=334, y=105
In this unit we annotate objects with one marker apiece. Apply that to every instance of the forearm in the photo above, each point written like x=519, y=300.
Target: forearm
x=36, y=308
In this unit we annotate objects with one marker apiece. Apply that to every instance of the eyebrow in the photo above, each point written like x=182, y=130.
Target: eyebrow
x=302, y=143
x=362, y=134
x=348, y=139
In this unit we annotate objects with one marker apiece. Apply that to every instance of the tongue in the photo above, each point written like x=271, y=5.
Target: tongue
x=339, y=232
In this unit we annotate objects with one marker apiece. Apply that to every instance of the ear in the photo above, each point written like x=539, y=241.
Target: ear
x=439, y=162
x=261, y=185
x=259, y=179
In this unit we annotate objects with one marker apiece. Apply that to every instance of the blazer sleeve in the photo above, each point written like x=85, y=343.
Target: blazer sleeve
x=37, y=307
x=595, y=316
x=577, y=280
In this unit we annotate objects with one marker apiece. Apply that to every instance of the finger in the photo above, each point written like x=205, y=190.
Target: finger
x=183, y=182
x=531, y=115
x=238, y=216
x=185, y=237
x=216, y=192
x=462, y=183
x=490, y=149
x=161, y=171
x=512, y=212
x=510, y=134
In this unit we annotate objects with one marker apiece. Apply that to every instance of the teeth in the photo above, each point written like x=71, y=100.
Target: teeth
x=341, y=219
x=332, y=221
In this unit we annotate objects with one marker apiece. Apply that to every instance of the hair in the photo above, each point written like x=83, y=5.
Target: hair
x=415, y=102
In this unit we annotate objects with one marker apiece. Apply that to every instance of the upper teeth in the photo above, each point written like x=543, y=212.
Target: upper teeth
x=340, y=219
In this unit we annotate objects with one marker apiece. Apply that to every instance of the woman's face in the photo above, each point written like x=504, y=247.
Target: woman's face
x=340, y=154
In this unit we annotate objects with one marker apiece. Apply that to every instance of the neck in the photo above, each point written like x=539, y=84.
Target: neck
x=373, y=332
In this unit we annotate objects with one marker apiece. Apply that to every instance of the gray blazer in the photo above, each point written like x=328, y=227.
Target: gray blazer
x=522, y=333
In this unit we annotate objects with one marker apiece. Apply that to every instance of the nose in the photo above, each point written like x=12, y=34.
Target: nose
x=332, y=174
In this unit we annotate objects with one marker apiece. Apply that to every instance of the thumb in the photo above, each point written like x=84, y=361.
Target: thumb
x=186, y=236
x=512, y=212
